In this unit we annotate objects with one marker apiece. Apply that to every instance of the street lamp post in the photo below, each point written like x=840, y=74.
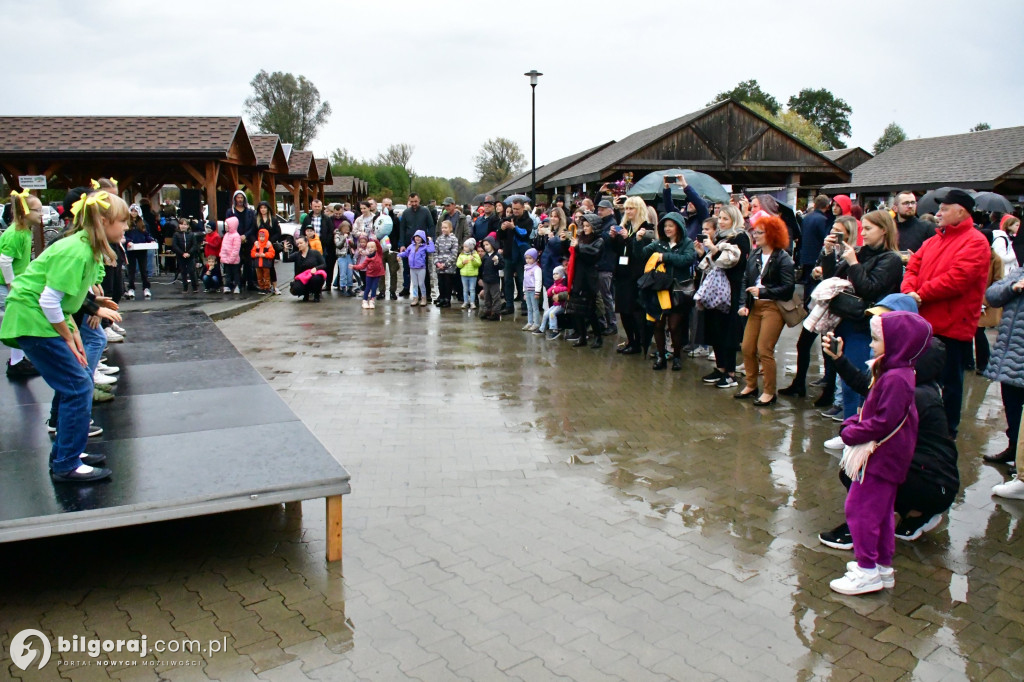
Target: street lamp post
x=533, y=75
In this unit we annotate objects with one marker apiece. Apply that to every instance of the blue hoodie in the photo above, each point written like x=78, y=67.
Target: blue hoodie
x=417, y=255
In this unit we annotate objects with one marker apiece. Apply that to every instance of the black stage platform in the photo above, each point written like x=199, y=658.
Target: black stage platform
x=194, y=430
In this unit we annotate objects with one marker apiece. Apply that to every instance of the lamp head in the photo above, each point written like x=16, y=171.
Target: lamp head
x=533, y=74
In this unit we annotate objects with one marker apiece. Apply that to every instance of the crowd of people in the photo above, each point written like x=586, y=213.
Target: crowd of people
x=906, y=297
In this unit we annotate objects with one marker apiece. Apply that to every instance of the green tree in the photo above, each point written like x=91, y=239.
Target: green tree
x=341, y=157
x=794, y=124
x=286, y=106
x=892, y=135
x=431, y=188
x=981, y=126
x=499, y=159
x=750, y=92
x=827, y=112
x=463, y=190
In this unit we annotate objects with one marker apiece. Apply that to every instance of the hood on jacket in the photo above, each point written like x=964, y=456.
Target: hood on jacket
x=245, y=201
x=493, y=242
x=675, y=217
x=906, y=337
x=270, y=212
x=421, y=234
x=231, y=224
x=263, y=235
x=932, y=362
x=844, y=203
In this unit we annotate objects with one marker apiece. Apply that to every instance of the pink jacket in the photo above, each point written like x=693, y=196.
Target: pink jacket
x=232, y=243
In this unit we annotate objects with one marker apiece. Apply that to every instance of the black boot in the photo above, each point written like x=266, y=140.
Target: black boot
x=659, y=363
x=794, y=389
x=826, y=399
x=677, y=364
x=580, y=342
x=598, y=341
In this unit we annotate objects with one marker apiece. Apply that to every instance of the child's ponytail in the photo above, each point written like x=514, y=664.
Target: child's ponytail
x=20, y=208
x=86, y=214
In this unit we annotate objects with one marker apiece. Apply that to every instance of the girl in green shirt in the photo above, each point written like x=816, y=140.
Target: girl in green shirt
x=38, y=321
x=15, y=254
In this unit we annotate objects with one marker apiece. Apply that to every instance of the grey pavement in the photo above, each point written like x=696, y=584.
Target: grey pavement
x=524, y=510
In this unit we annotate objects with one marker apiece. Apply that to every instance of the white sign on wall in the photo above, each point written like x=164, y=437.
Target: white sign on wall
x=32, y=181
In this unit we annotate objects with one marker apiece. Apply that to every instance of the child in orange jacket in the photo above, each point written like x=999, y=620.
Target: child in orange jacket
x=263, y=258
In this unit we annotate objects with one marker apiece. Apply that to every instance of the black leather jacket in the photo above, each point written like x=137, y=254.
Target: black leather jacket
x=777, y=283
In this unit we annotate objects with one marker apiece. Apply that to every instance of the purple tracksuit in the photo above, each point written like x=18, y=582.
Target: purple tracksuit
x=869, y=504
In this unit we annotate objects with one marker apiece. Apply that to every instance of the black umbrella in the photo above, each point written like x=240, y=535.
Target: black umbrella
x=990, y=201
x=479, y=198
x=928, y=203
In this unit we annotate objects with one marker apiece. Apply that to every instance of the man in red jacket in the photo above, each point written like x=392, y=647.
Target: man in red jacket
x=947, y=278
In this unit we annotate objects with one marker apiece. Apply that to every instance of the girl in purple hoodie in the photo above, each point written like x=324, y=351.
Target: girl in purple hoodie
x=888, y=418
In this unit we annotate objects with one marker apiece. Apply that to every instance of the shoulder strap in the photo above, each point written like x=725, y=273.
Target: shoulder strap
x=896, y=429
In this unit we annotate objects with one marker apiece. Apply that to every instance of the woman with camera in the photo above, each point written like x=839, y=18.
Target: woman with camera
x=875, y=270
x=623, y=240
x=676, y=253
x=768, y=278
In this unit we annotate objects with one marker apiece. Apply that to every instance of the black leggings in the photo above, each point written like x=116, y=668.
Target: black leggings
x=632, y=325
x=981, y=349
x=581, y=322
x=678, y=322
x=803, y=362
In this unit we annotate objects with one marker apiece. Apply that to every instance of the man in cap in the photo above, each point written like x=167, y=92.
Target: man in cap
x=606, y=265
x=947, y=277
x=486, y=223
x=912, y=230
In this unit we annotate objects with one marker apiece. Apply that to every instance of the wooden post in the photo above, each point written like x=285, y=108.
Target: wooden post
x=334, y=520
x=296, y=188
x=212, y=173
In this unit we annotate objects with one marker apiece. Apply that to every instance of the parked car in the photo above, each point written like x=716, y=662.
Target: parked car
x=50, y=217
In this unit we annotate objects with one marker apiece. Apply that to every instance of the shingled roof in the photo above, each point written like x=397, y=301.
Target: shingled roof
x=521, y=183
x=727, y=140
x=323, y=170
x=985, y=160
x=44, y=137
x=300, y=165
x=848, y=158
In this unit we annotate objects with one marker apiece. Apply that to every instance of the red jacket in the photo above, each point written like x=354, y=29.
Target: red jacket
x=211, y=245
x=374, y=265
x=950, y=272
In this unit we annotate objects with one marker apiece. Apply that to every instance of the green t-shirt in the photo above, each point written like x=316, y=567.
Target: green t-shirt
x=18, y=245
x=68, y=265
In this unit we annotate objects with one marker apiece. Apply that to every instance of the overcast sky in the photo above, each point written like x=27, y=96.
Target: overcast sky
x=445, y=76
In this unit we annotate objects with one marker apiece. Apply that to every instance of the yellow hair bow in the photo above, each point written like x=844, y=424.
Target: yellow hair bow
x=78, y=208
x=96, y=183
x=23, y=196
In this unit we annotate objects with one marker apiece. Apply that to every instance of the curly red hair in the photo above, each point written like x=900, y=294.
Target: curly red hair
x=776, y=234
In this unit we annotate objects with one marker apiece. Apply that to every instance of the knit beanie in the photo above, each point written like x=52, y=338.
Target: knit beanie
x=531, y=253
x=558, y=272
x=471, y=243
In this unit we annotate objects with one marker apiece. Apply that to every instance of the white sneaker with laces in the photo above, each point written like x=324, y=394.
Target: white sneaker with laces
x=1012, y=489
x=886, y=573
x=227, y=290
x=112, y=336
x=101, y=379
x=237, y=290
x=858, y=581
x=835, y=443
x=147, y=294
x=118, y=328
x=107, y=369
x=130, y=294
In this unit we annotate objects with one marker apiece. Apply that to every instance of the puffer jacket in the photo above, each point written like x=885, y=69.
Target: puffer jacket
x=1007, y=362
x=446, y=250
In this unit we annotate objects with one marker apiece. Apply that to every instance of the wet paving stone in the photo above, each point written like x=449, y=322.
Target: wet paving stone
x=524, y=510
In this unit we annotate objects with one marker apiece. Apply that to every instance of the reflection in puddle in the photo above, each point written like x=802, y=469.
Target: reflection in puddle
x=958, y=587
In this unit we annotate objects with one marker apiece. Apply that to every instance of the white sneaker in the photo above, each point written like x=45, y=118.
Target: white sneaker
x=118, y=328
x=1013, y=489
x=373, y=304
x=147, y=294
x=835, y=443
x=107, y=369
x=112, y=336
x=237, y=290
x=472, y=306
x=227, y=290
x=886, y=573
x=711, y=356
x=101, y=379
x=366, y=304
x=858, y=581
x=130, y=294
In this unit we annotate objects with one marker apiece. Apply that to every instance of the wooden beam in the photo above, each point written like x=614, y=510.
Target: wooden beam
x=334, y=526
x=747, y=144
x=212, y=173
x=194, y=172
x=699, y=132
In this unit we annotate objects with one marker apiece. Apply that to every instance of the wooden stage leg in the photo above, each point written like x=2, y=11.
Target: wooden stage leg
x=334, y=528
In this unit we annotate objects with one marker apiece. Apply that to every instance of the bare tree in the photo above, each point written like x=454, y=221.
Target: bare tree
x=397, y=155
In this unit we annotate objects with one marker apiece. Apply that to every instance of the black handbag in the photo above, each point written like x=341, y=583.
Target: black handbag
x=656, y=281
x=682, y=292
x=848, y=306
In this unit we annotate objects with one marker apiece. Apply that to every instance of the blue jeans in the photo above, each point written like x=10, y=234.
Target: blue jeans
x=371, y=288
x=549, y=318
x=344, y=278
x=857, y=348
x=532, y=307
x=72, y=385
x=469, y=289
x=95, y=342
